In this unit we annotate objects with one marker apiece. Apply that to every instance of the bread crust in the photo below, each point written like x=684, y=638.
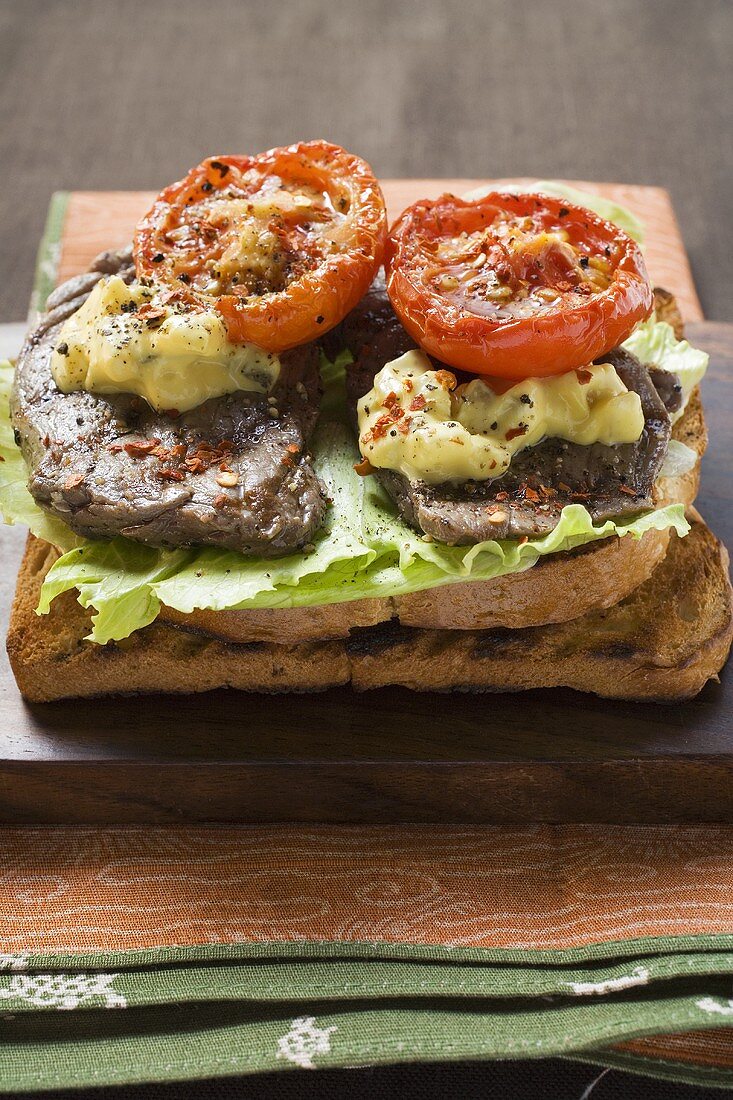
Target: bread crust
x=664, y=641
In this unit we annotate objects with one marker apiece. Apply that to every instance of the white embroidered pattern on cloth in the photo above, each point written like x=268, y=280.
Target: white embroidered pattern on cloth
x=62, y=991
x=13, y=962
x=638, y=976
x=710, y=1004
x=304, y=1041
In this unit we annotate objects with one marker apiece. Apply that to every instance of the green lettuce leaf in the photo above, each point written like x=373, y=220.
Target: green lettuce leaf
x=116, y=578
x=126, y=583
x=364, y=548
x=654, y=343
x=679, y=459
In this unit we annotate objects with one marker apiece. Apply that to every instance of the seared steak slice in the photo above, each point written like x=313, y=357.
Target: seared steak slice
x=113, y=466
x=667, y=385
x=527, y=500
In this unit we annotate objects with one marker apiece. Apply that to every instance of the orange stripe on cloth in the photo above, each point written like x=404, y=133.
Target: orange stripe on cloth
x=546, y=887
x=700, y=1048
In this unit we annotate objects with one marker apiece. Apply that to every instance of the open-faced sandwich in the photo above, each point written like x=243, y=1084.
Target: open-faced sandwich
x=249, y=459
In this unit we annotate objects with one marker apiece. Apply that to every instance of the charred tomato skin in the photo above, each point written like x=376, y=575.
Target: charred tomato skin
x=335, y=273
x=568, y=333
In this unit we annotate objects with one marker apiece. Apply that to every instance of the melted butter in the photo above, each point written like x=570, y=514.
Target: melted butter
x=414, y=422
x=175, y=363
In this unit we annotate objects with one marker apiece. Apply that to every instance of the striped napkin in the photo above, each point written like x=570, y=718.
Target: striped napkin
x=238, y=950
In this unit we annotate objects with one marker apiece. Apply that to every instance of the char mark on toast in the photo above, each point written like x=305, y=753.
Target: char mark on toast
x=528, y=499
x=111, y=465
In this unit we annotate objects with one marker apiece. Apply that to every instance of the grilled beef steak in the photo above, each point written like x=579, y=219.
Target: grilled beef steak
x=113, y=466
x=529, y=497
x=667, y=385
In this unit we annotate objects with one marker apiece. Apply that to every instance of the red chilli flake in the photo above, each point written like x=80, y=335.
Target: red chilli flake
x=583, y=375
x=418, y=403
x=381, y=427
x=141, y=448
x=445, y=379
x=514, y=432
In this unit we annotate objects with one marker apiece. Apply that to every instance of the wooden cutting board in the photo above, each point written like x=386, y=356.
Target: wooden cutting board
x=387, y=756
x=97, y=220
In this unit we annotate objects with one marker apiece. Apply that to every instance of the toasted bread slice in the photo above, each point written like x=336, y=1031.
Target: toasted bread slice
x=664, y=641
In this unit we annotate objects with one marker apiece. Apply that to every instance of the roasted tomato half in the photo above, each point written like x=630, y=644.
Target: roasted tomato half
x=282, y=244
x=514, y=285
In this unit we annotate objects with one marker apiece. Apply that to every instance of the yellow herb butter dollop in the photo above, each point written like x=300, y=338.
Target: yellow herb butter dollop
x=174, y=362
x=416, y=421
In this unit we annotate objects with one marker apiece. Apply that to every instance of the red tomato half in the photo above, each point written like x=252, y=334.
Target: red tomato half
x=514, y=285
x=282, y=244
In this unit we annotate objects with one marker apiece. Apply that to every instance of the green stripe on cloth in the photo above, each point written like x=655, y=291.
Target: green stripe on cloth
x=184, y=1041
x=48, y=252
x=40, y=988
